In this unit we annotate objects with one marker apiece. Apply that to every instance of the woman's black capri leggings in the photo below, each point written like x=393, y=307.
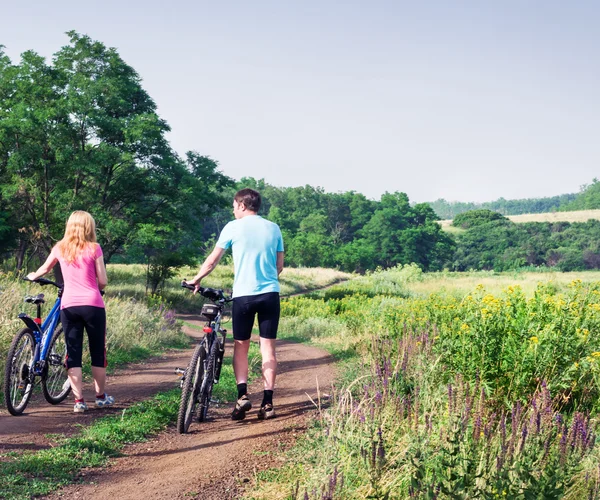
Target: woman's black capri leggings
x=93, y=319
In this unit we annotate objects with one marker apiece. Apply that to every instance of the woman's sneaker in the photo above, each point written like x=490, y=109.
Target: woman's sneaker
x=266, y=412
x=241, y=407
x=80, y=407
x=105, y=401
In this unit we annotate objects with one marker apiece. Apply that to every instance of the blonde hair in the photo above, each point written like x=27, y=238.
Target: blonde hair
x=80, y=234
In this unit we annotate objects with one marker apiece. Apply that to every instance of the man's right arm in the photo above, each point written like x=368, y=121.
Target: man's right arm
x=207, y=267
x=279, y=262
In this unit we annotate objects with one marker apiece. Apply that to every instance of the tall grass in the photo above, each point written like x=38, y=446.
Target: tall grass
x=458, y=396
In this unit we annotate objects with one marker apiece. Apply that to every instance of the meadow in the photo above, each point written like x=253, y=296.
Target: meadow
x=574, y=216
x=455, y=386
x=141, y=325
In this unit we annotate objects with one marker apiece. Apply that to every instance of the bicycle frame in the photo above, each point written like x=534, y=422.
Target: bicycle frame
x=42, y=331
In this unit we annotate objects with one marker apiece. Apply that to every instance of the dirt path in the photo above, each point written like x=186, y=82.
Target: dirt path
x=216, y=460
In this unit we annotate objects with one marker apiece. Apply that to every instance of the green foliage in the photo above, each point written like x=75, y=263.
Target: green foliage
x=475, y=218
x=350, y=232
x=587, y=199
x=82, y=133
x=502, y=245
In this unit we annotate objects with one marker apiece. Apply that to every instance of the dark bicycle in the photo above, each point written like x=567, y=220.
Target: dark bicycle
x=204, y=368
x=38, y=350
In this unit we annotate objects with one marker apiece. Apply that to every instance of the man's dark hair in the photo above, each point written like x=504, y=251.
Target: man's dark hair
x=250, y=198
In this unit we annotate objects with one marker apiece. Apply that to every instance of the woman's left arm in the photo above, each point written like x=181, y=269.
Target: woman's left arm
x=45, y=268
x=101, y=272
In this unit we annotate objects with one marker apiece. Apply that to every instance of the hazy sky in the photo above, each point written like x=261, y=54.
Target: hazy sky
x=450, y=99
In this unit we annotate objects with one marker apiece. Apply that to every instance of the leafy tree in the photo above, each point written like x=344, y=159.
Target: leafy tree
x=402, y=234
x=475, y=218
x=82, y=133
x=587, y=199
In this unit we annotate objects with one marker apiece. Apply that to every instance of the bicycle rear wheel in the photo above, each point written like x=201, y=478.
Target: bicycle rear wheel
x=18, y=376
x=191, y=389
x=55, y=381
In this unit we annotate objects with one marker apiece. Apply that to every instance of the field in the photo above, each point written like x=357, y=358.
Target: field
x=576, y=216
x=476, y=386
x=139, y=325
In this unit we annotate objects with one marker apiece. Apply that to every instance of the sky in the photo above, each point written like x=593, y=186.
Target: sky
x=461, y=100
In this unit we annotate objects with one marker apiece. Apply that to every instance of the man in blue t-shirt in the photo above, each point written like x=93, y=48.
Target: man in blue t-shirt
x=257, y=248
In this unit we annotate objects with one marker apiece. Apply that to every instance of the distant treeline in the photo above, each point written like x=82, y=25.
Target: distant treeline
x=350, y=232
x=587, y=198
x=493, y=242
x=347, y=230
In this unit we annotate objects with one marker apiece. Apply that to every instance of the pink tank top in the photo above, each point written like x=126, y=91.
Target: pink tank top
x=81, y=287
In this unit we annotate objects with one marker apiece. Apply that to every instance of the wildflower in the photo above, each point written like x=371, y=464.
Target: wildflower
x=464, y=327
x=534, y=340
x=596, y=354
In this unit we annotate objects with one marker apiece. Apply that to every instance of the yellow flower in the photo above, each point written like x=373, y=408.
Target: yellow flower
x=596, y=354
x=464, y=327
x=534, y=340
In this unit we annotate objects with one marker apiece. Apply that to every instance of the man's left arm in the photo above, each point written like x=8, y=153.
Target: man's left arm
x=279, y=262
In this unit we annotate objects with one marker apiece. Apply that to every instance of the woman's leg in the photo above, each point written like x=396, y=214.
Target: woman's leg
x=76, y=380
x=99, y=374
x=73, y=327
x=95, y=325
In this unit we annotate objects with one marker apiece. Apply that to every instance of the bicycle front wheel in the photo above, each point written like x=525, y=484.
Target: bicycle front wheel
x=191, y=389
x=18, y=373
x=207, y=387
x=55, y=381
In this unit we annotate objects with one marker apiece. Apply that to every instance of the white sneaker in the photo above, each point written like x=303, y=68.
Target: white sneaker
x=107, y=401
x=80, y=407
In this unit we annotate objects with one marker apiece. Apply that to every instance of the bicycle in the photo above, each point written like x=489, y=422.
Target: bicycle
x=204, y=368
x=38, y=350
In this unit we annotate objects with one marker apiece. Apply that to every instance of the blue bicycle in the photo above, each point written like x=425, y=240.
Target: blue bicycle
x=38, y=350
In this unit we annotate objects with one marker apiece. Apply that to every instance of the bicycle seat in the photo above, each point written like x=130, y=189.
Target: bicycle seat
x=35, y=299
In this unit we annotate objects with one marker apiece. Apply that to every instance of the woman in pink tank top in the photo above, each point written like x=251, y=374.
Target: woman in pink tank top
x=82, y=307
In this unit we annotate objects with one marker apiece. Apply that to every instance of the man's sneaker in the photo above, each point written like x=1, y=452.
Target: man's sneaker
x=266, y=412
x=105, y=401
x=241, y=407
x=80, y=407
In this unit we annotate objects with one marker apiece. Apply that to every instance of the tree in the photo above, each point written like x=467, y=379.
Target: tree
x=402, y=234
x=82, y=133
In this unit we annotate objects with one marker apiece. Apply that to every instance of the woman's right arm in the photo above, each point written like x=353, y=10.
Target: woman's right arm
x=45, y=268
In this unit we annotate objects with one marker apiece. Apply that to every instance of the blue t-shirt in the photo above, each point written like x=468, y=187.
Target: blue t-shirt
x=255, y=242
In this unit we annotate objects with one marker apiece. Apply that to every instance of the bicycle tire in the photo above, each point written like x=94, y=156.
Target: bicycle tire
x=55, y=380
x=207, y=388
x=191, y=389
x=18, y=384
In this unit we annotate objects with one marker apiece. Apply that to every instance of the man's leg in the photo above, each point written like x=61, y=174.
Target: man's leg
x=268, y=322
x=269, y=363
x=240, y=360
x=242, y=322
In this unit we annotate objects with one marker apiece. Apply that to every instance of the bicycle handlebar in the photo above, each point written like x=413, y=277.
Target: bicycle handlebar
x=43, y=282
x=209, y=293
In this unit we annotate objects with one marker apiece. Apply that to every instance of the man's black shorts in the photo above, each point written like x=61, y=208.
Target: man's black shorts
x=266, y=305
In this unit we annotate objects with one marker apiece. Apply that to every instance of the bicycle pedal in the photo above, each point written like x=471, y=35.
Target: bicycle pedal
x=180, y=372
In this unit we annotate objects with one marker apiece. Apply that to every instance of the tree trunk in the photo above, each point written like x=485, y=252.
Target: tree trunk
x=21, y=253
